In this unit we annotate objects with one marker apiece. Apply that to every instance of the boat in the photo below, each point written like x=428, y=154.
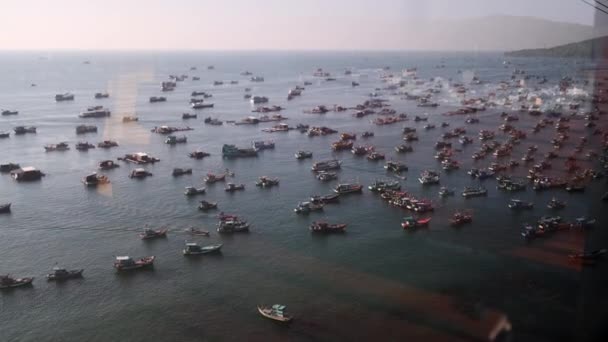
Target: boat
x=266, y=182
x=459, y=219
x=8, y=167
x=575, y=187
x=396, y=167
x=445, y=192
x=186, y=116
x=232, y=225
x=9, y=112
x=193, y=248
x=303, y=155
x=367, y=134
x=231, y=187
x=59, y=274
x=95, y=112
x=130, y=119
x=275, y=313
x=231, y=151
x=150, y=233
x=469, y=192
x=174, y=140
x=84, y=146
x=94, y=180
x=4, y=134
x=27, y=174
x=192, y=191
x=213, y=122
x=201, y=105
x=180, y=172
x=262, y=145
x=107, y=144
x=107, y=165
x=326, y=165
x=83, y=129
x=411, y=222
x=259, y=99
x=198, y=154
x=589, y=258
x=375, y=156
x=211, y=178
x=204, y=205
x=348, y=188
x=516, y=204
x=5, y=208
x=20, y=130
x=64, y=97
x=324, y=227
x=257, y=79
x=325, y=176
x=154, y=99
x=7, y=282
x=325, y=199
x=307, y=207
x=381, y=186
x=62, y=146
x=126, y=263
x=403, y=148
x=429, y=177
x=139, y=158
x=139, y=173
x=198, y=232
x=102, y=95
x=556, y=204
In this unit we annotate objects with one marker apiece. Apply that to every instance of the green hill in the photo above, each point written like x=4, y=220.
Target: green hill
x=592, y=48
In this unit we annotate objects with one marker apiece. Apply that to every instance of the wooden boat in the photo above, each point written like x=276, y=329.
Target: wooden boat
x=204, y=205
x=266, y=182
x=410, y=222
x=192, y=248
x=149, y=233
x=7, y=282
x=275, y=313
x=5, y=208
x=126, y=263
x=59, y=274
x=232, y=225
x=324, y=227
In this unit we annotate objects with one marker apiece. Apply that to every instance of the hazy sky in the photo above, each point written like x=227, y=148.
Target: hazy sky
x=245, y=24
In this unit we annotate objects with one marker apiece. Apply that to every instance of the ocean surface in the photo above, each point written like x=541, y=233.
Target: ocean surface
x=377, y=281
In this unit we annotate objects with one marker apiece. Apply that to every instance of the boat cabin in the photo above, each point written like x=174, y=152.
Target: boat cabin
x=28, y=173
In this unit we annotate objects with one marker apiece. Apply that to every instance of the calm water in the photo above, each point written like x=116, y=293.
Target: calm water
x=376, y=280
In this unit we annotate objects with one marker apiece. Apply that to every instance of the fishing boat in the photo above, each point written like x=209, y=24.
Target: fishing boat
x=4, y=134
x=211, y=178
x=107, y=144
x=583, y=222
x=126, y=263
x=516, y=204
x=8, y=167
x=7, y=282
x=198, y=232
x=429, y=177
x=262, y=145
x=381, y=186
x=459, y=219
x=205, y=206
x=198, y=154
x=193, y=248
x=59, y=274
x=396, y=167
x=7, y=112
x=259, y=99
x=266, y=182
x=180, y=172
x=101, y=95
x=326, y=165
x=347, y=188
x=403, y=148
x=139, y=173
x=192, y=191
x=84, y=146
x=231, y=187
x=174, y=140
x=154, y=99
x=325, y=199
x=324, y=227
x=5, y=208
x=139, y=158
x=342, y=145
x=359, y=150
x=275, y=313
x=95, y=112
x=303, y=155
x=307, y=207
x=556, y=204
x=470, y=192
x=445, y=192
x=27, y=174
x=325, y=176
x=20, y=130
x=64, y=97
x=375, y=156
x=411, y=222
x=83, y=129
x=231, y=151
x=107, y=165
x=589, y=258
x=149, y=233
x=575, y=187
x=201, y=105
x=213, y=122
x=186, y=116
x=62, y=146
x=232, y=225
x=94, y=180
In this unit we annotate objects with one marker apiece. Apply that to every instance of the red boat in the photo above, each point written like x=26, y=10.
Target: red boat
x=410, y=222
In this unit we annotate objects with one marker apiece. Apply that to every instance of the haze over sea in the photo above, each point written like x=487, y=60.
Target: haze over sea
x=375, y=279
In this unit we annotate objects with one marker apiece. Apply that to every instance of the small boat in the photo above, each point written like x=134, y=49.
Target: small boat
x=130, y=119
x=307, y=207
x=126, y=263
x=64, y=97
x=411, y=222
x=211, y=178
x=83, y=129
x=59, y=274
x=192, y=191
x=275, y=313
x=173, y=140
x=204, y=205
x=193, y=248
x=326, y=165
x=107, y=165
x=367, y=134
x=213, y=122
x=186, y=116
x=429, y=177
x=469, y=192
x=4, y=134
x=150, y=233
x=232, y=225
x=27, y=174
x=556, y=204
x=259, y=99
x=325, y=176
x=7, y=282
x=459, y=219
x=375, y=156
x=331, y=198
x=62, y=146
x=139, y=173
x=266, y=182
x=231, y=187
x=180, y=172
x=381, y=186
x=589, y=258
x=303, y=155
x=5, y=208
x=348, y=188
x=516, y=204
x=8, y=167
x=445, y=192
x=20, y=130
x=403, y=148
x=262, y=145
x=154, y=99
x=9, y=112
x=324, y=227
x=94, y=180
x=396, y=167
x=102, y=95
x=198, y=154
x=107, y=144
x=84, y=146
x=201, y=105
